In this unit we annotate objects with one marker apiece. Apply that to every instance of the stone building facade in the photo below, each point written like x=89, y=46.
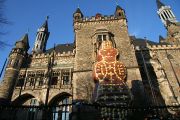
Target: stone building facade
x=64, y=73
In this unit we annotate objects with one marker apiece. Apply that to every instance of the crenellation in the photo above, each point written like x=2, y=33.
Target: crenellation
x=101, y=18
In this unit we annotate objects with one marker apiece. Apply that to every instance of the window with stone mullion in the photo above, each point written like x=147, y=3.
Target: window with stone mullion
x=66, y=77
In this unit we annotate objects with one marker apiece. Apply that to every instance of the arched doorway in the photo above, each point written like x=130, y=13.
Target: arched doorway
x=61, y=106
x=28, y=111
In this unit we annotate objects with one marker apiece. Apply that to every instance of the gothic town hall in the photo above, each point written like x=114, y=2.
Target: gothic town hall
x=103, y=68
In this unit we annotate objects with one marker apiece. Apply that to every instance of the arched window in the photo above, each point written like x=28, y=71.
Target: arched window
x=103, y=37
x=62, y=111
x=162, y=16
x=165, y=15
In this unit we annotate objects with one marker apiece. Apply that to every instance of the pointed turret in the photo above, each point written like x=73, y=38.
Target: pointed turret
x=45, y=25
x=23, y=43
x=159, y=4
x=41, y=38
x=78, y=15
x=17, y=59
x=165, y=13
x=25, y=40
x=119, y=12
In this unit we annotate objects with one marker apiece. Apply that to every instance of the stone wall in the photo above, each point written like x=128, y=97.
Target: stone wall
x=168, y=64
x=85, y=37
x=45, y=65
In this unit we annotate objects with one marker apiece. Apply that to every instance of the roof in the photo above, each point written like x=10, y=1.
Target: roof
x=25, y=41
x=45, y=25
x=118, y=7
x=177, y=23
x=78, y=10
x=143, y=42
x=60, y=48
x=159, y=4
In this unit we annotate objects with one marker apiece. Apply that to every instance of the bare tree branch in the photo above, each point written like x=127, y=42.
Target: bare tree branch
x=3, y=21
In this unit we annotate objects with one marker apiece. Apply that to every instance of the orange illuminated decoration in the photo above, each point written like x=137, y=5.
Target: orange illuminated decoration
x=107, y=70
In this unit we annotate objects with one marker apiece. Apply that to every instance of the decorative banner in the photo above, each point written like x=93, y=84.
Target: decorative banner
x=107, y=70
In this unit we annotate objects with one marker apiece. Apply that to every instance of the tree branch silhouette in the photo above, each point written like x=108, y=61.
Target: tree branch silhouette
x=3, y=21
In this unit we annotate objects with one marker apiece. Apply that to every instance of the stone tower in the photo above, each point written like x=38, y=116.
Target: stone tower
x=41, y=38
x=169, y=20
x=16, y=60
x=165, y=13
x=89, y=34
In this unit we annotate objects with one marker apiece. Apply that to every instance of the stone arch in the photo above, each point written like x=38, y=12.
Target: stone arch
x=58, y=97
x=19, y=100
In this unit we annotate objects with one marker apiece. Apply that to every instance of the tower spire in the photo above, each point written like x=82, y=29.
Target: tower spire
x=165, y=13
x=119, y=12
x=78, y=15
x=42, y=37
x=159, y=4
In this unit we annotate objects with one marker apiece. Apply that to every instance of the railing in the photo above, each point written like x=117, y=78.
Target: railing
x=82, y=111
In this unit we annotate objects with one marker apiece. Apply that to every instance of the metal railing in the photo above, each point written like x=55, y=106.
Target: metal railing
x=83, y=111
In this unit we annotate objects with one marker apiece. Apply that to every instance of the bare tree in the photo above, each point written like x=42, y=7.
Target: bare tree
x=3, y=21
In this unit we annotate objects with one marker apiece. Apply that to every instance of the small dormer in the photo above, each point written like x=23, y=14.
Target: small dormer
x=78, y=15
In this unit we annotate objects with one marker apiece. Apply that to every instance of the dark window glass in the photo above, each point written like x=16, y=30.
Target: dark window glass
x=20, y=82
x=65, y=78
x=40, y=82
x=100, y=37
x=31, y=82
x=104, y=37
x=166, y=15
x=54, y=80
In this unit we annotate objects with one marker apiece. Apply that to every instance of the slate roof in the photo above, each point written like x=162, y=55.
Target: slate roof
x=25, y=40
x=78, y=10
x=177, y=23
x=118, y=7
x=159, y=4
x=45, y=25
x=142, y=42
x=60, y=48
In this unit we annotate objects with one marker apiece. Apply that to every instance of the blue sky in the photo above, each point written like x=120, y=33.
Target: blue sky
x=143, y=20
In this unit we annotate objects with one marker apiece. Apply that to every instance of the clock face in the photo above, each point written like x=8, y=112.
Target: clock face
x=108, y=70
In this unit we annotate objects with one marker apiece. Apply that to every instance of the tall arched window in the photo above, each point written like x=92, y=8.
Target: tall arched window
x=62, y=111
